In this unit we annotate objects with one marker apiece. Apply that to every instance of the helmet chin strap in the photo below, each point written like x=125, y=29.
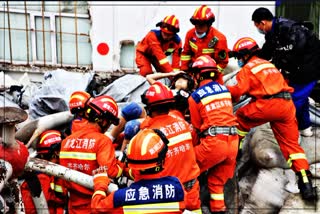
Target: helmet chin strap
x=206, y=75
x=247, y=57
x=104, y=125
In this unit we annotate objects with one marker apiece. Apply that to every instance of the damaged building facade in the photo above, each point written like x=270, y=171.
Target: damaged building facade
x=75, y=40
x=99, y=36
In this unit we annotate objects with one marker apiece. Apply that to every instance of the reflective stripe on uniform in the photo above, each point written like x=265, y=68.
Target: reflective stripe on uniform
x=194, y=46
x=295, y=157
x=99, y=192
x=151, y=208
x=185, y=57
x=179, y=138
x=198, y=211
x=304, y=176
x=170, y=50
x=78, y=155
x=241, y=143
x=163, y=61
x=207, y=50
x=261, y=67
x=220, y=69
x=119, y=172
x=242, y=133
x=211, y=98
x=217, y=197
x=56, y=188
x=131, y=174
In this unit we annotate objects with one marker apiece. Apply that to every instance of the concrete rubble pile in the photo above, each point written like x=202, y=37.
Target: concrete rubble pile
x=263, y=183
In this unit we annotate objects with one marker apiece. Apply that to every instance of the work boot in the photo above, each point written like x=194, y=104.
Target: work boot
x=307, y=132
x=307, y=191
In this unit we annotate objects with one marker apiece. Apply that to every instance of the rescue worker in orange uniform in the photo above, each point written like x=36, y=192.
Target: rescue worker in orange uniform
x=204, y=39
x=77, y=102
x=182, y=86
x=271, y=102
x=180, y=159
x=211, y=113
x=157, y=45
x=55, y=193
x=151, y=192
x=88, y=148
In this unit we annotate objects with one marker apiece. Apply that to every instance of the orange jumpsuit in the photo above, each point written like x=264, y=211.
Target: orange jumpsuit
x=211, y=106
x=213, y=44
x=84, y=151
x=153, y=50
x=153, y=193
x=260, y=78
x=53, y=191
x=180, y=160
x=178, y=114
x=78, y=123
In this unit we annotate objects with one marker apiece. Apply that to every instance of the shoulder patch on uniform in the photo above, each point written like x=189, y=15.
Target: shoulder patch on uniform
x=222, y=54
x=158, y=33
x=176, y=39
x=213, y=42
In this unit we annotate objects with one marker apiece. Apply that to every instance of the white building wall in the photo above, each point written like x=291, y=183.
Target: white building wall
x=114, y=21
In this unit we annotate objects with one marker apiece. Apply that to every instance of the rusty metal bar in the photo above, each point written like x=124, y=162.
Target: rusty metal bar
x=27, y=35
x=60, y=32
x=43, y=35
x=9, y=31
x=46, y=31
x=76, y=31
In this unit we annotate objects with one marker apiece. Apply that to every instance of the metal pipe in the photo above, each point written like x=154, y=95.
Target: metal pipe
x=27, y=35
x=9, y=31
x=43, y=35
x=76, y=30
x=8, y=135
x=6, y=173
x=65, y=173
x=18, y=205
x=60, y=32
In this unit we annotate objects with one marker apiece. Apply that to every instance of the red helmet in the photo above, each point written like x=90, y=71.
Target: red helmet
x=205, y=63
x=102, y=107
x=170, y=24
x=201, y=15
x=78, y=101
x=147, y=149
x=157, y=94
x=48, y=139
x=244, y=46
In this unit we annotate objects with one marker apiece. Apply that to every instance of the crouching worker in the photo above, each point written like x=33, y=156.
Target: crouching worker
x=55, y=193
x=151, y=192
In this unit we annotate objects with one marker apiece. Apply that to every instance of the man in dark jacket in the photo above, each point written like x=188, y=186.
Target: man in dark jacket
x=295, y=50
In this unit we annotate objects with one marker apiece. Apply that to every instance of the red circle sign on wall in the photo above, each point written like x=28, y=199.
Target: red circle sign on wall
x=103, y=48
